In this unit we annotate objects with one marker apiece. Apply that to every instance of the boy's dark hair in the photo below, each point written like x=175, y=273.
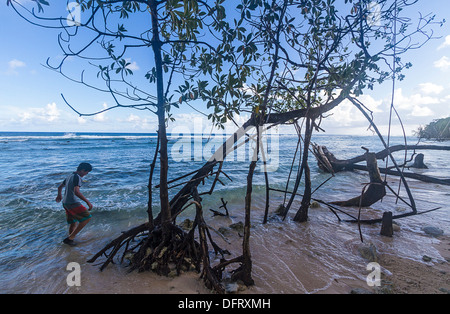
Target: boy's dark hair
x=84, y=166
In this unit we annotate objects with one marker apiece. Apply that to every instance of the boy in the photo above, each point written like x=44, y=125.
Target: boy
x=75, y=212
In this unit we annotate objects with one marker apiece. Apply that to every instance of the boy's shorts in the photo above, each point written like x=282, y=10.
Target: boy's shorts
x=76, y=212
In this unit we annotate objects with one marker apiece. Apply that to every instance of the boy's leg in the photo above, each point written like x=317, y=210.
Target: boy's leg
x=78, y=228
x=72, y=227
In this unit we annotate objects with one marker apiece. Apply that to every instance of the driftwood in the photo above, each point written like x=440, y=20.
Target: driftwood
x=418, y=162
x=224, y=205
x=375, y=190
x=387, y=229
x=327, y=162
x=347, y=164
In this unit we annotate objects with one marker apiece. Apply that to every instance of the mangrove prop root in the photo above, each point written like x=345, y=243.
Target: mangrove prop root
x=161, y=252
x=210, y=277
x=168, y=251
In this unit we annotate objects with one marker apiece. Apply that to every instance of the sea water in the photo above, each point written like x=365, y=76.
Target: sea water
x=288, y=257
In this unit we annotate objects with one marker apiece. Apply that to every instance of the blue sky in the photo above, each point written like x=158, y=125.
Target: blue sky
x=30, y=94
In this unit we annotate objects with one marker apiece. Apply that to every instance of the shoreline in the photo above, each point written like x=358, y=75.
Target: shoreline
x=400, y=275
x=406, y=277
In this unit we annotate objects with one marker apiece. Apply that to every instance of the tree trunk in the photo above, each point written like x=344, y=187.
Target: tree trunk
x=163, y=155
x=150, y=187
x=244, y=272
x=302, y=213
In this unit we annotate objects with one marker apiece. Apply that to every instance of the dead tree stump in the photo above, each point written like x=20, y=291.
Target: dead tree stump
x=418, y=162
x=386, y=225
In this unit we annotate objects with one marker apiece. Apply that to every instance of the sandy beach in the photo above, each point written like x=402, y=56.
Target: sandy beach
x=407, y=277
x=400, y=275
x=411, y=277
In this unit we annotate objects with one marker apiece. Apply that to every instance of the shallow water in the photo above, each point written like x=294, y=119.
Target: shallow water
x=317, y=256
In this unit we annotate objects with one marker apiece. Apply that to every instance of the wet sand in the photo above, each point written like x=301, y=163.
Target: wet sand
x=407, y=277
x=299, y=270
x=412, y=277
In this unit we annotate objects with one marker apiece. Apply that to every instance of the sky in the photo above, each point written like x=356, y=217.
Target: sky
x=30, y=94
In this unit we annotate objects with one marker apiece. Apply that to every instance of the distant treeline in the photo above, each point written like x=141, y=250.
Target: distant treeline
x=436, y=130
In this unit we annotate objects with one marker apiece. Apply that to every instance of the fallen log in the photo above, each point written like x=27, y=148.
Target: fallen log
x=374, y=192
x=325, y=157
x=327, y=160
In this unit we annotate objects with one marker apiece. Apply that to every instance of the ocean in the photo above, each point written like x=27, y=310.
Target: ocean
x=288, y=257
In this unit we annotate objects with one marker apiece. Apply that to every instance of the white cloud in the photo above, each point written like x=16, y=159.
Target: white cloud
x=419, y=111
x=25, y=116
x=409, y=102
x=49, y=113
x=139, y=122
x=446, y=43
x=199, y=124
x=443, y=63
x=371, y=103
x=430, y=88
x=81, y=120
x=422, y=104
x=101, y=117
x=133, y=118
x=346, y=114
x=426, y=101
x=133, y=66
x=13, y=65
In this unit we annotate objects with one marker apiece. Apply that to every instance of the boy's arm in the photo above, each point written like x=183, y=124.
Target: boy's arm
x=59, y=196
x=77, y=192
